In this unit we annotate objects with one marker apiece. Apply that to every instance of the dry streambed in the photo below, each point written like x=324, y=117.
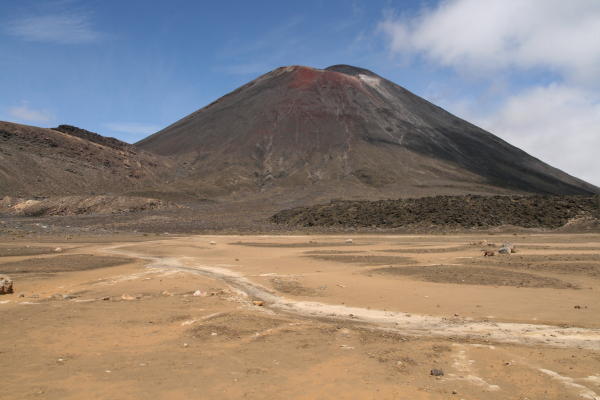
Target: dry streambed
x=397, y=322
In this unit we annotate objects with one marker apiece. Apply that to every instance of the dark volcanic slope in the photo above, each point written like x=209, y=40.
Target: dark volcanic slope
x=346, y=132
x=42, y=162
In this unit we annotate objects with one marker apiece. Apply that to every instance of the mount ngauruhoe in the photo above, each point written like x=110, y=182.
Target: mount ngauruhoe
x=345, y=132
x=295, y=136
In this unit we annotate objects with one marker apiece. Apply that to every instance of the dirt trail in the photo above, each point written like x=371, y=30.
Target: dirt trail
x=398, y=322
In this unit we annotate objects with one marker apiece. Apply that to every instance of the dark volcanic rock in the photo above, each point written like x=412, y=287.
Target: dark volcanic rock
x=346, y=132
x=460, y=211
x=94, y=137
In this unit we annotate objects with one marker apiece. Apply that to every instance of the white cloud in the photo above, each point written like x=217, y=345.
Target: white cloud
x=54, y=28
x=499, y=39
x=557, y=123
x=133, y=128
x=24, y=113
x=559, y=35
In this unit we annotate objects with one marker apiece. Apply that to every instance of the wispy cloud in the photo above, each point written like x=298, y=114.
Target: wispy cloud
x=497, y=34
x=271, y=48
x=24, y=113
x=133, y=128
x=61, y=28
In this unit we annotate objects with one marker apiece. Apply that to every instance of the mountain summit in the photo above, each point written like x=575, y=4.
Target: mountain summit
x=346, y=132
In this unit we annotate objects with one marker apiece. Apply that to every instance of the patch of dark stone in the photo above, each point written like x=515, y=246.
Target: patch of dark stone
x=474, y=276
x=24, y=251
x=329, y=252
x=297, y=245
x=428, y=250
x=591, y=269
x=364, y=259
x=293, y=287
x=468, y=211
x=62, y=263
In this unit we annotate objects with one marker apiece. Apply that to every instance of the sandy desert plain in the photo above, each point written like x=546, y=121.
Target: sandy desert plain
x=301, y=317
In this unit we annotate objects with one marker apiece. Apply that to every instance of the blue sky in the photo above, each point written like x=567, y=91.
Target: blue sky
x=527, y=70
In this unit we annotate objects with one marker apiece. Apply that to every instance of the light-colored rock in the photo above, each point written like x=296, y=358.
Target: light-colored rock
x=510, y=246
x=349, y=241
x=200, y=293
x=6, y=285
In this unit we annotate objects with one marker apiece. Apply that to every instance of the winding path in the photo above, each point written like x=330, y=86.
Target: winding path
x=398, y=322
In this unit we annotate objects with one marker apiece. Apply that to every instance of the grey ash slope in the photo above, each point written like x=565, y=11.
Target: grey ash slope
x=346, y=132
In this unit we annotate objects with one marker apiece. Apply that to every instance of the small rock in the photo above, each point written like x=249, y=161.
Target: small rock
x=127, y=297
x=349, y=241
x=185, y=345
x=212, y=243
x=199, y=293
x=489, y=253
x=504, y=250
x=577, y=307
x=213, y=334
x=106, y=298
x=68, y=297
x=437, y=372
x=259, y=303
x=58, y=249
x=166, y=293
x=510, y=246
x=6, y=285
